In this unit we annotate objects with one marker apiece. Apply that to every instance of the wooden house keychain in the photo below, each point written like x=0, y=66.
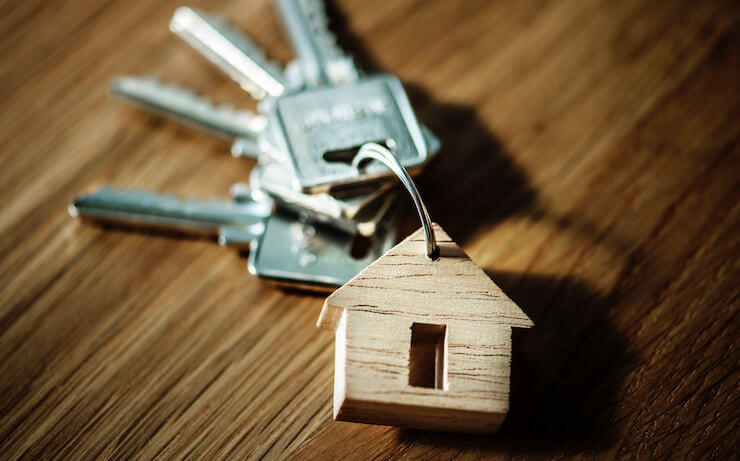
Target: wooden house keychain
x=423, y=336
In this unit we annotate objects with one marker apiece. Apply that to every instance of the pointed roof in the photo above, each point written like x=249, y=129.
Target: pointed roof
x=405, y=282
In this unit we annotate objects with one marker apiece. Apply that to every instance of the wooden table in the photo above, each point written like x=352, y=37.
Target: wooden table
x=590, y=165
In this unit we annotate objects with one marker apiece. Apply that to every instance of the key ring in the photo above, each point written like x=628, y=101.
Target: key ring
x=383, y=155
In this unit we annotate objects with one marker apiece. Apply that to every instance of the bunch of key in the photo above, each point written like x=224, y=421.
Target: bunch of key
x=306, y=203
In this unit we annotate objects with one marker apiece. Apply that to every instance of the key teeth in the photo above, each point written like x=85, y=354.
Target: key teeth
x=186, y=18
x=148, y=89
x=328, y=46
x=186, y=95
x=256, y=52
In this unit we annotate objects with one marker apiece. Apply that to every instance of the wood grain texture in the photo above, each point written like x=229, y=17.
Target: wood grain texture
x=590, y=165
x=405, y=316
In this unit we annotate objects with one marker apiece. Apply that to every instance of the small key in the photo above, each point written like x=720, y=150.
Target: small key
x=353, y=212
x=185, y=106
x=358, y=213
x=230, y=51
x=319, y=129
x=277, y=251
x=311, y=256
x=319, y=57
x=303, y=255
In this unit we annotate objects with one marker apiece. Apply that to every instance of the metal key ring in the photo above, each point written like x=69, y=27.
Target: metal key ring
x=383, y=155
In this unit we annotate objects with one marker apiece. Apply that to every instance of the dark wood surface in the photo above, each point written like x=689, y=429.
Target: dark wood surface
x=590, y=164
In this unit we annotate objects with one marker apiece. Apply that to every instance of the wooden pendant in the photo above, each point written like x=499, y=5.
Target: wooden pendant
x=421, y=343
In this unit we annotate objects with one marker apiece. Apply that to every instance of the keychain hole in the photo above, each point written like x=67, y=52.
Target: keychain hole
x=347, y=154
x=428, y=356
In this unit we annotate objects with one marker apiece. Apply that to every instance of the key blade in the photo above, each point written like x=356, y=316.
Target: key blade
x=185, y=106
x=431, y=140
x=150, y=210
x=241, y=237
x=229, y=50
x=307, y=27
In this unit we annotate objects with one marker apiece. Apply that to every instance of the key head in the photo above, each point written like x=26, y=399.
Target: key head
x=320, y=130
x=298, y=254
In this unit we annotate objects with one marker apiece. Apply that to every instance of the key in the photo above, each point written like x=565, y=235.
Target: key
x=230, y=51
x=358, y=213
x=185, y=106
x=311, y=256
x=195, y=217
x=354, y=213
x=298, y=254
x=319, y=130
x=319, y=57
x=315, y=257
x=316, y=132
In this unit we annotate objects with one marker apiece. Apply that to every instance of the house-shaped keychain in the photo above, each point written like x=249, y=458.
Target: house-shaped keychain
x=420, y=342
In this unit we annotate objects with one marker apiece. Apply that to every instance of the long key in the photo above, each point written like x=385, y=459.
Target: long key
x=292, y=253
x=185, y=106
x=230, y=51
x=320, y=58
x=197, y=217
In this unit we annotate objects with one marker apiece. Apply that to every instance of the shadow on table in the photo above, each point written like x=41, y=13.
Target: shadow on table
x=473, y=183
x=566, y=371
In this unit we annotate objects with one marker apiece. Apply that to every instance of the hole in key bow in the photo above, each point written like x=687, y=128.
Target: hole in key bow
x=345, y=155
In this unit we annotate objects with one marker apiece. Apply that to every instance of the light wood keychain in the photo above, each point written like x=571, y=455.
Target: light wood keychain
x=423, y=336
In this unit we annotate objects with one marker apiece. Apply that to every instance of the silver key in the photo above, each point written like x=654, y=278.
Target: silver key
x=185, y=106
x=319, y=57
x=320, y=129
x=317, y=257
x=358, y=213
x=355, y=213
x=316, y=132
x=298, y=254
x=150, y=210
x=230, y=51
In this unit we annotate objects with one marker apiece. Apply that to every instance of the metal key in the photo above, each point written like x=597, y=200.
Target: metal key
x=315, y=131
x=319, y=57
x=304, y=255
x=311, y=256
x=230, y=51
x=314, y=257
x=354, y=214
x=359, y=213
x=319, y=129
x=185, y=106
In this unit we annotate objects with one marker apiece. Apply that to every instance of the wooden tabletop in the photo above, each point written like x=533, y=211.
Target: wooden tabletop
x=590, y=165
